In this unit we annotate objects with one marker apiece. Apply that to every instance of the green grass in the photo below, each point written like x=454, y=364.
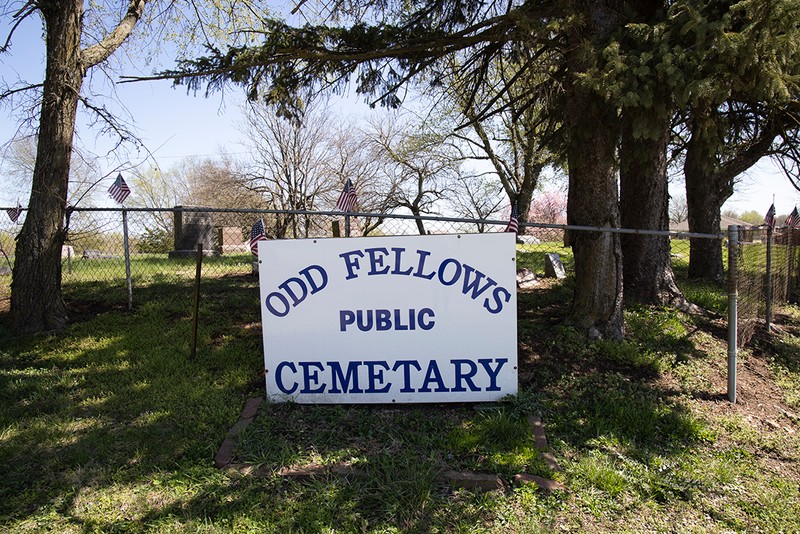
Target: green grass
x=112, y=427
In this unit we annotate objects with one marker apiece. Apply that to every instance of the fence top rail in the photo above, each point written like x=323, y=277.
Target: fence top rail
x=434, y=218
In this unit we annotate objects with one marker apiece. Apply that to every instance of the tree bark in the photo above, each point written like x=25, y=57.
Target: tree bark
x=592, y=128
x=36, y=301
x=644, y=205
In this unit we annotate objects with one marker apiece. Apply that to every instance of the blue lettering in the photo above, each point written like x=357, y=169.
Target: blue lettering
x=423, y=323
x=346, y=317
x=398, y=320
x=289, y=291
x=498, y=301
x=456, y=274
x=421, y=266
x=272, y=309
x=461, y=376
x=338, y=378
x=398, y=251
x=383, y=320
x=433, y=375
x=279, y=377
x=351, y=262
x=376, y=261
x=364, y=324
x=375, y=376
x=472, y=285
x=406, y=366
x=310, y=377
x=493, y=374
x=307, y=272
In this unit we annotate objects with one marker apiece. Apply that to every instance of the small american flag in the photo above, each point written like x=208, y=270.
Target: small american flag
x=14, y=213
x=513, y=222
x=348, y=198
x=119, y=190
x=769, y=218
x=793, y=220
x=256, y=235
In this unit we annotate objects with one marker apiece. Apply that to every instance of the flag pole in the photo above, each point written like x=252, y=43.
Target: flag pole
x=347, y=224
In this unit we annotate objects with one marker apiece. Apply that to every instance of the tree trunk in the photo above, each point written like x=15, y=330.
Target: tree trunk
x=36, y=301
x=592, y=200
x=644, y=205
x=525, y=195
x=710, y=170
x=706, y=191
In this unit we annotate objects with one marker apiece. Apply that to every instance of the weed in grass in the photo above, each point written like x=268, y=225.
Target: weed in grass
x=526, y=402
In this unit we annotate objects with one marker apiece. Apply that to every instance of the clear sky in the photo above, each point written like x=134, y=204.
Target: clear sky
x=175, y=125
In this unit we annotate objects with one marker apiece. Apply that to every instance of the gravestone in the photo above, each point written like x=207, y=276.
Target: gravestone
x=553, y=268
x=526, y=279
x=191, y=228
x=229, y=240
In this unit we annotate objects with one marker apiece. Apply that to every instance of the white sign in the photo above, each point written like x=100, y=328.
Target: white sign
x=390, y=319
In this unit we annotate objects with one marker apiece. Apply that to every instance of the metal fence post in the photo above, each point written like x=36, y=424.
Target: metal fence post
x=125, y=244
x=733, y=280
x=768, y=282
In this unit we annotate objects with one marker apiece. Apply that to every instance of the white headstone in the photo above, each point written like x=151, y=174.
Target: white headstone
x=553, y=268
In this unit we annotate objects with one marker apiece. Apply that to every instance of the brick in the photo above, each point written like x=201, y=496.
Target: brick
x=251, y=407
x=538, y=432
x=225, y=453
x=544, y=484
x=240, y=425
x=551, y=462
x=474, y=481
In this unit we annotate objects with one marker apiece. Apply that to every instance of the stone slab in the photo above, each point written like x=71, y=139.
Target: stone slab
x=526, y=279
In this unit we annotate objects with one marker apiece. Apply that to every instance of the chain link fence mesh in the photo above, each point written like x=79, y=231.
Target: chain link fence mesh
x=162, y=245
x=769, y=275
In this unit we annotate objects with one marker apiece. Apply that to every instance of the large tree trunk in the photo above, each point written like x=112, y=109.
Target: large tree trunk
x=644, y=205
x=710, y=170
x=706, y=191
x=36, y=302
x=704, y=202
x=592, y=199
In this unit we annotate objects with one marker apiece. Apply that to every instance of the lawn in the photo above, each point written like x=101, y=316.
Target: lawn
x=113, y=427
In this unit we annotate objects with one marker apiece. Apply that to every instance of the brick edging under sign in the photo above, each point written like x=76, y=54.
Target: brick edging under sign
x=467, y=480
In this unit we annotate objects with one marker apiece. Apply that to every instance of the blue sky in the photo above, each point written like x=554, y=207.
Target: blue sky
x=175, y=125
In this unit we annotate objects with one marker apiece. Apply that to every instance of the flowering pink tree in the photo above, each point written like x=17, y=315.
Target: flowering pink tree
x=548, y=207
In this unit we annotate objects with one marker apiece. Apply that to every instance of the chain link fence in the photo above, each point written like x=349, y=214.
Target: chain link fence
x=162, y=247
x=768, y=276
x=162, y=242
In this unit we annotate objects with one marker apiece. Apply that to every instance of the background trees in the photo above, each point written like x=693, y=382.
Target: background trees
x=78, y=37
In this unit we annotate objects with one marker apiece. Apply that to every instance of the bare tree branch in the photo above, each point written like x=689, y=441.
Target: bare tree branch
x=101, y=51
